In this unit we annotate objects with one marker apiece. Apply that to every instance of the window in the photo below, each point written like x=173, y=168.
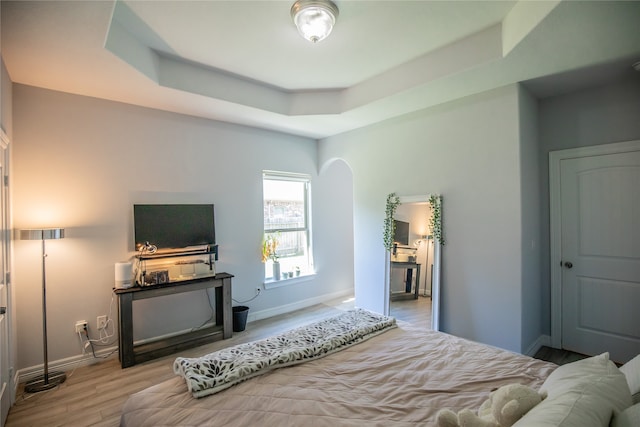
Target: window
x=286, y=203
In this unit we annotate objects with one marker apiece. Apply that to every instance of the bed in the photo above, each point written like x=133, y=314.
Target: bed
x=400, y=376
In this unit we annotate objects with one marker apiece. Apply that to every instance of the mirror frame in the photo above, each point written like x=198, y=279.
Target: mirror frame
x=437, y=267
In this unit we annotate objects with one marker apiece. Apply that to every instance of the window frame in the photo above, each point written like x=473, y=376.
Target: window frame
x=305, y=179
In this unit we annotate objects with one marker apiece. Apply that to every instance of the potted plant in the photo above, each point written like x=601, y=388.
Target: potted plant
x=435, y=222
x=393, y=201
x=269, y=252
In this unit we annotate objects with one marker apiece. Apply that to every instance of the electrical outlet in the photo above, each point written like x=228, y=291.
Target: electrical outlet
x=81, y=325
x=102, y=322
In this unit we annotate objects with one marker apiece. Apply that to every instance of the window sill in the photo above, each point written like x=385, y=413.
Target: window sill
x=272, y=284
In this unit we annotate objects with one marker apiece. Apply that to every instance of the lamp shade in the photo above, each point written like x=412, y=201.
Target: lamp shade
x=314, y=18
x=42, y=234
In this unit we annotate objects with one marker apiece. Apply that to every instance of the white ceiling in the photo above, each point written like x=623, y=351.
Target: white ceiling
x=244, y=62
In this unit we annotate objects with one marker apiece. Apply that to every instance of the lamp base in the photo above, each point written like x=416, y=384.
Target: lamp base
x=38, y=384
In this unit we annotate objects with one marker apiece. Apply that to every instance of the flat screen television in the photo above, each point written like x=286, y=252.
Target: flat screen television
x=401, y=235
x=170, y=227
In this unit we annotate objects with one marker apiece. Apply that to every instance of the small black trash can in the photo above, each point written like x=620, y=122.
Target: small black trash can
x=240, y=314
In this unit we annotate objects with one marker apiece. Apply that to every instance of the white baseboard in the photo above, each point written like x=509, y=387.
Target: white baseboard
x=14, y=391
x=64, y=365
x=264, y=314
x=543, y=340
x=282, y=309
x=74, y=362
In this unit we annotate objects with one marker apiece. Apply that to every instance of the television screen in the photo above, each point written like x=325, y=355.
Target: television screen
x=174, y=226
x=401, y=235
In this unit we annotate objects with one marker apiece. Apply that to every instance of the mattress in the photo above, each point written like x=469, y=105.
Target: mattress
x=401, y=377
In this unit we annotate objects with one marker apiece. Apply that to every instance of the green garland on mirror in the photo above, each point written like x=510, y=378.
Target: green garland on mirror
x=435, y=222
x=393, y=201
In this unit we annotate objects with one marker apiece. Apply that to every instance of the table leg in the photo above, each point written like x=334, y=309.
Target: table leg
x=125, y=330
x=409, y=277
x=227, y=311
x=219, y=305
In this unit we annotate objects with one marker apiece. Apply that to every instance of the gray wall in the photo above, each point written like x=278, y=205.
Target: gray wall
x=488, y=156
x=530, y=252
x=81, y=163
x=469, y=152
x=599, y=115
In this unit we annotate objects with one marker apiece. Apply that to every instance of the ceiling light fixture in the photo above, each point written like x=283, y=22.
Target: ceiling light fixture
x=314, y=18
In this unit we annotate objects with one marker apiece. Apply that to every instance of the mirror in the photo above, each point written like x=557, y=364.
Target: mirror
x=413, y=265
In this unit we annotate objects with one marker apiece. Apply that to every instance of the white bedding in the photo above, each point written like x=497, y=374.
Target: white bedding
x=401, y=377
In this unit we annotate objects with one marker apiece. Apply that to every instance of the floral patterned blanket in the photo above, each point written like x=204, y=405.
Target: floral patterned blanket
x=222, y=369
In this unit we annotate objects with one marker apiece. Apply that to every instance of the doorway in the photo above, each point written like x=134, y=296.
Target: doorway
x=412, y=279
x=7, y=390
x=595, y=258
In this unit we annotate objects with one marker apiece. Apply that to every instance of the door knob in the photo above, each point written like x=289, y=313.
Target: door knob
x=568, y=264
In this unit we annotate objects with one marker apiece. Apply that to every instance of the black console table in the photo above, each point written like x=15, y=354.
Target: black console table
x=131, y=354
x=408, y=266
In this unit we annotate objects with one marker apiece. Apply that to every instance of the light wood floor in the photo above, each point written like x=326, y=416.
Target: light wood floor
x=557, y=356
x=94, y=395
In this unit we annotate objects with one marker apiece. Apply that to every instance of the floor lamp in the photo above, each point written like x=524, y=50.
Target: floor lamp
x=48, y=380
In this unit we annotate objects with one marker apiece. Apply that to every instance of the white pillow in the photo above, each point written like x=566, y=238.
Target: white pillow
x=630, y=417
x=631, y=371
x=581, y=394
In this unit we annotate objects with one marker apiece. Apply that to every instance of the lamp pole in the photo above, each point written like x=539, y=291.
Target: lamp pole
x=44, y=315
x=48, y=380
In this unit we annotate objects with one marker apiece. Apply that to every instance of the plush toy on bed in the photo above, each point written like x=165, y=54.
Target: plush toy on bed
x=505, y=406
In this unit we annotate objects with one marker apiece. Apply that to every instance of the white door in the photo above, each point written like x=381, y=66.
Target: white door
x=6, y=388
x=600, y=254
